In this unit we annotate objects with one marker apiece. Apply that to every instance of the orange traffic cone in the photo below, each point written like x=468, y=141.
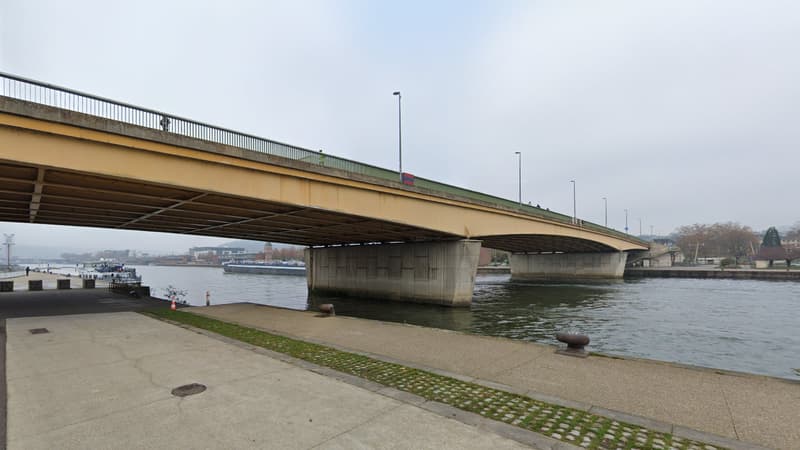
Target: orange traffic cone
x=173, y=307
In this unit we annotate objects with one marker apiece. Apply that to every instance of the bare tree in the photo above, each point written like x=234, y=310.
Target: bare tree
x=725, y=240
x=793, y=233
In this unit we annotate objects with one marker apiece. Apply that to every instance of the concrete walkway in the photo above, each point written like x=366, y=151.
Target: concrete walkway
x=751, y=409
x=104, y=381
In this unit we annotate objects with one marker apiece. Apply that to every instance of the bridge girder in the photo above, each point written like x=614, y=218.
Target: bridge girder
x=64, y=174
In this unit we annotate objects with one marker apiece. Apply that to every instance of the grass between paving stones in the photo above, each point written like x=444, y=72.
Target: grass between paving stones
x=566, y=424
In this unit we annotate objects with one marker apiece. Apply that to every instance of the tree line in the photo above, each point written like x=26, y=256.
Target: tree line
x=725, y=240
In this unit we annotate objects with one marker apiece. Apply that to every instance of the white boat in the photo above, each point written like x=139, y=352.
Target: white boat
x=111, y=272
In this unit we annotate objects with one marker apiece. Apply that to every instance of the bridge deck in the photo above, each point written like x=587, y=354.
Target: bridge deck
x=33, y=191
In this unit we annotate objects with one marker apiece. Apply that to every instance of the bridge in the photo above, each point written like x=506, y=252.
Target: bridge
x=72, y=158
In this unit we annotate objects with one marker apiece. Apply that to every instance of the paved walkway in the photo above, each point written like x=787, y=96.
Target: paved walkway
x=104, y=381
x=752, y=409
x=71, y=301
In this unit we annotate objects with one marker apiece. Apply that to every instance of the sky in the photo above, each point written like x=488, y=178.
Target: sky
x=681, y=112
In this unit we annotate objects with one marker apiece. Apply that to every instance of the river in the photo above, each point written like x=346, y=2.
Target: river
x=748, y=326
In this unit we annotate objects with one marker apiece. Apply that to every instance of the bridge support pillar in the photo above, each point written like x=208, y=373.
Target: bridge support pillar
x=567, y=266
x=427, y=272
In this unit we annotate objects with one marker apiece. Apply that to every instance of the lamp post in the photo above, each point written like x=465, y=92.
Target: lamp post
x=8, y=243
x=605, y=207
x=399, y=133
x=626, y=221
x=519, y=166
x=574, y=204
x=640, y=227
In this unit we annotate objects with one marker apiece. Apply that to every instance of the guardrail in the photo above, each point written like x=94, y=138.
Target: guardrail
x=21, y=88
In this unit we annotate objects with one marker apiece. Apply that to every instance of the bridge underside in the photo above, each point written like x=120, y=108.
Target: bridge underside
x=47, y=196
x=58, y=197
x=538, y=243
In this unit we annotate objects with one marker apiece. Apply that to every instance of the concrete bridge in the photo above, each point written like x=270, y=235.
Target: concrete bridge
x=70, y=158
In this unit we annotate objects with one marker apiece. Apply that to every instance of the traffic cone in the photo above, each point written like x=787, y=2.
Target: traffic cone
x=173, y=307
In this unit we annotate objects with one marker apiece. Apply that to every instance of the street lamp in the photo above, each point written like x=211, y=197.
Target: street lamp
x=605, y=204
x=8, y=243
x=399, y=133
x=519, y=165
x=574, y=204
x=626, y=221
x=640, y=227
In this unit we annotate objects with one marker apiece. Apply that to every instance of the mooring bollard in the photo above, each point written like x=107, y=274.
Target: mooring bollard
x=208, y=298
x=327, y=308
x=575, y=343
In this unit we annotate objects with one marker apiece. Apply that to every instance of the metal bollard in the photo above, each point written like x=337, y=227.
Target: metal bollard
x=575, y=343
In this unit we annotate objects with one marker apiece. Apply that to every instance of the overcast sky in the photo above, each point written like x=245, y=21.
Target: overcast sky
x=680, y=111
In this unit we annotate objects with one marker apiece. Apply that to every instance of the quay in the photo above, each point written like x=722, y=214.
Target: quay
x=494, y=270
x=104, y=379
x=714, y=273
x=49, y=281
x=683, y=400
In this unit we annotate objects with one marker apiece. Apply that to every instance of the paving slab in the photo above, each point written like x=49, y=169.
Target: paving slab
x=107, y=384
x=748, y=408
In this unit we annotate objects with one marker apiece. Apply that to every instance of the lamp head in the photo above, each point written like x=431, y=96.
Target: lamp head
x=396, y=93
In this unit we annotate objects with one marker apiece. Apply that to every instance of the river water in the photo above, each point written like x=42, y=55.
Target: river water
x=748, y=326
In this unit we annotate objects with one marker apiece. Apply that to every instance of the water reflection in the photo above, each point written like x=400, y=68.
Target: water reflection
x=535, y=312
x=435, y=316
x=532, y=312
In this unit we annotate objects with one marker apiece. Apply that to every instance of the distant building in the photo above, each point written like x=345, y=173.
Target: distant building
x=114, y=254
x=665, y=241
x=485, y=257
x=267, y=252
x=218, y=252
x=790, y=243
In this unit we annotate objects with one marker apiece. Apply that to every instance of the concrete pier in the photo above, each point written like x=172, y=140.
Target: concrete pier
x=567, y=266
x=427, y=272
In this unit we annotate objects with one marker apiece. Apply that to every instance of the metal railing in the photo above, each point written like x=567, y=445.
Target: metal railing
x=21, y=88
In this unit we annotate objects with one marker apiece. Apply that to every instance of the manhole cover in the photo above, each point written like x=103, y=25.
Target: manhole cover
x=39, y=330
x=188, y=389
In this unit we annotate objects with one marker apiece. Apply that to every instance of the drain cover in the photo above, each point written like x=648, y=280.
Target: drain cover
x=188, y=389
x=39, y=330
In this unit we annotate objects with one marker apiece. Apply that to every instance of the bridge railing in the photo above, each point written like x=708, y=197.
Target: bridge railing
x=21, y=88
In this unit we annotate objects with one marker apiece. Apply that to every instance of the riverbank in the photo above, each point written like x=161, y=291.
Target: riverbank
x=747, y=408
x=713, y=273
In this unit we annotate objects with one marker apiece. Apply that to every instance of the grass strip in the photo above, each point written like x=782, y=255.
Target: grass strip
x=574, y=426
